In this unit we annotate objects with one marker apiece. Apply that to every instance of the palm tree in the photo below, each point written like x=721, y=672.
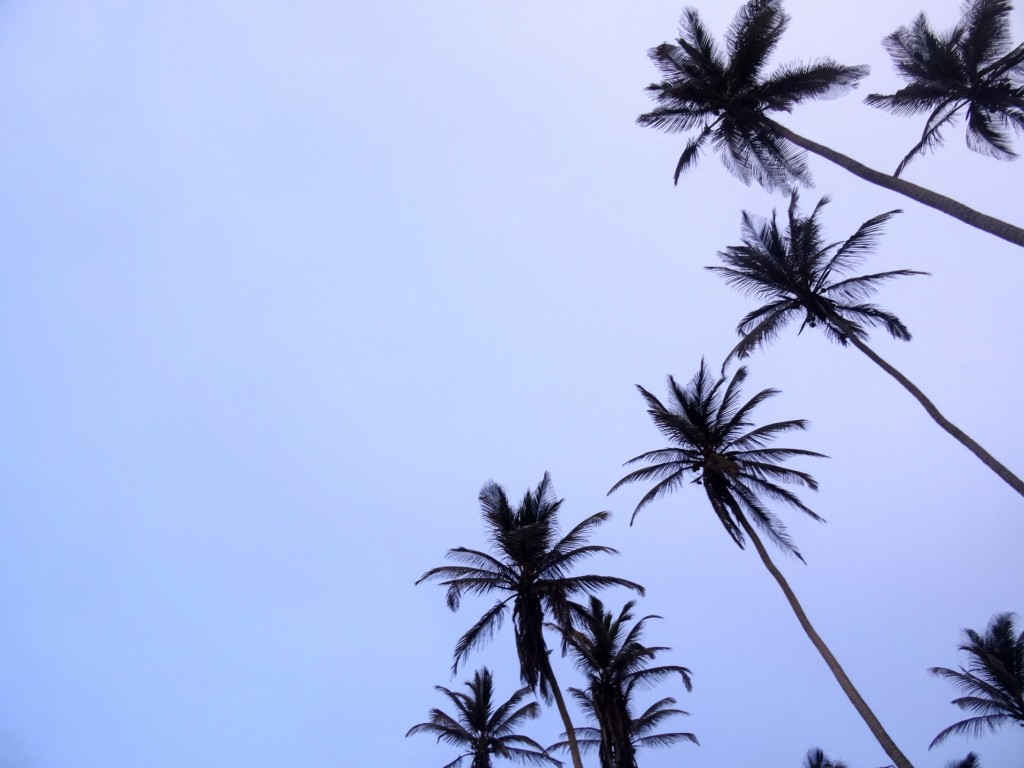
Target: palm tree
x=529, y=568
x=615, y=663
x=815, y=758
x=713, y=440
x=802, y=276
x=970, y=69
x=483, y=730
x=992, y=682
x=727, y=98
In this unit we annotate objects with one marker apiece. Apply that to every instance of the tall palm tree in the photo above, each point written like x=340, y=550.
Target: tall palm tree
x=992, y=682
x=816, y=758
x=529, y=568
x=726, y=96
x=714, y=442
x=483, y=729
x=972, y=69
x=801, y=276
x=614, y=663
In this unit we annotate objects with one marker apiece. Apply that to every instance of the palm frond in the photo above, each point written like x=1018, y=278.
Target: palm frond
x=993, y=680
x=969, y=68
x=482, y=631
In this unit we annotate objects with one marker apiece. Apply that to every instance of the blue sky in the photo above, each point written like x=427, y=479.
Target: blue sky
x=285, y=286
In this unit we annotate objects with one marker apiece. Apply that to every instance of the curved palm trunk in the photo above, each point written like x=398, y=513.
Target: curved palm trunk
x=883, y=738
x=987, y=458
x=570, y=732
x=947, y=205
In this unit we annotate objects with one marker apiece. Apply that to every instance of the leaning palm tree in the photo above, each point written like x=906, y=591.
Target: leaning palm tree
x=728, y=99
x=801, y=276
x=972, y=69
x=529, y=567
x=992, y=682
x=614, y=664
x=482, y=729
x=715, y=445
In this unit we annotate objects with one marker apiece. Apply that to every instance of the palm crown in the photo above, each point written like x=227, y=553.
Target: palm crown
x=483, y=729
x=610, y=654
x=972, y=69
x=800, y=275
x=993, y=680
x=726, y=95
x=530, y=566
x=715, y=443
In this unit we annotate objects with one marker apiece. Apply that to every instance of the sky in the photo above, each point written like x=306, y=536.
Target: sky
x=286, y=284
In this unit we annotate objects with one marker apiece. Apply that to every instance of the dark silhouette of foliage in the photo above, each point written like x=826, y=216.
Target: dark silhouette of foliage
x=529, y=567
x=992, y=681
x=615, y=663
x=483, y=729
x=803, y=276
x=724, y=94
x=816, y=758
x=973, y=69
x=713, y=440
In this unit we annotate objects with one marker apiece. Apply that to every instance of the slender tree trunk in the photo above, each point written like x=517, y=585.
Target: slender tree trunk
x=894, y=753
x=987, y=458
x=570, y=732
x=946, y=205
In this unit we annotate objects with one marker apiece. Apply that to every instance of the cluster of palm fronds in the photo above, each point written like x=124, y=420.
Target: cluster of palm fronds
x=529, y=569
x=723, y=94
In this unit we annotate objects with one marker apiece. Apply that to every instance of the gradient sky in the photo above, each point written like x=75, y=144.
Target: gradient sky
x=285, y=284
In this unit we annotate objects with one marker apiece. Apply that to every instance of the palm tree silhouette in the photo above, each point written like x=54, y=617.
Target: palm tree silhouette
x=714, y=442
x=800, y=275
x=970, y=69
x=816, y=758
x=530, y=567
x=992, y=682
x=726, y=96
x=615, y=663
x=483, y=729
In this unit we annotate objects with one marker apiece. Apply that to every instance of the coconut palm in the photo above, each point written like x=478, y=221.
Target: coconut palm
x=727, y=98
x=992, y=682
x=816, y=758
x=614, y=663
x=529, y=568
x=803, y=277
x=482, y=729
x=713, y=443
x=971, y=69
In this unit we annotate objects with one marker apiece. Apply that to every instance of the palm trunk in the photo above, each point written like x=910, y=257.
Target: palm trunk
x=570, y=732
x=947, y=205
x=894, y=753
x=986, y=458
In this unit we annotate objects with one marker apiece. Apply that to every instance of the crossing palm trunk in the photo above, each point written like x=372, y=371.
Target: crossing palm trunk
x=947, y=205
x=899, y=759
x=958, y=434
x=570, y=732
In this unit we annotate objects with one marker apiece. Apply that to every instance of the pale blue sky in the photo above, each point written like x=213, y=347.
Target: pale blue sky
x=286, y=284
